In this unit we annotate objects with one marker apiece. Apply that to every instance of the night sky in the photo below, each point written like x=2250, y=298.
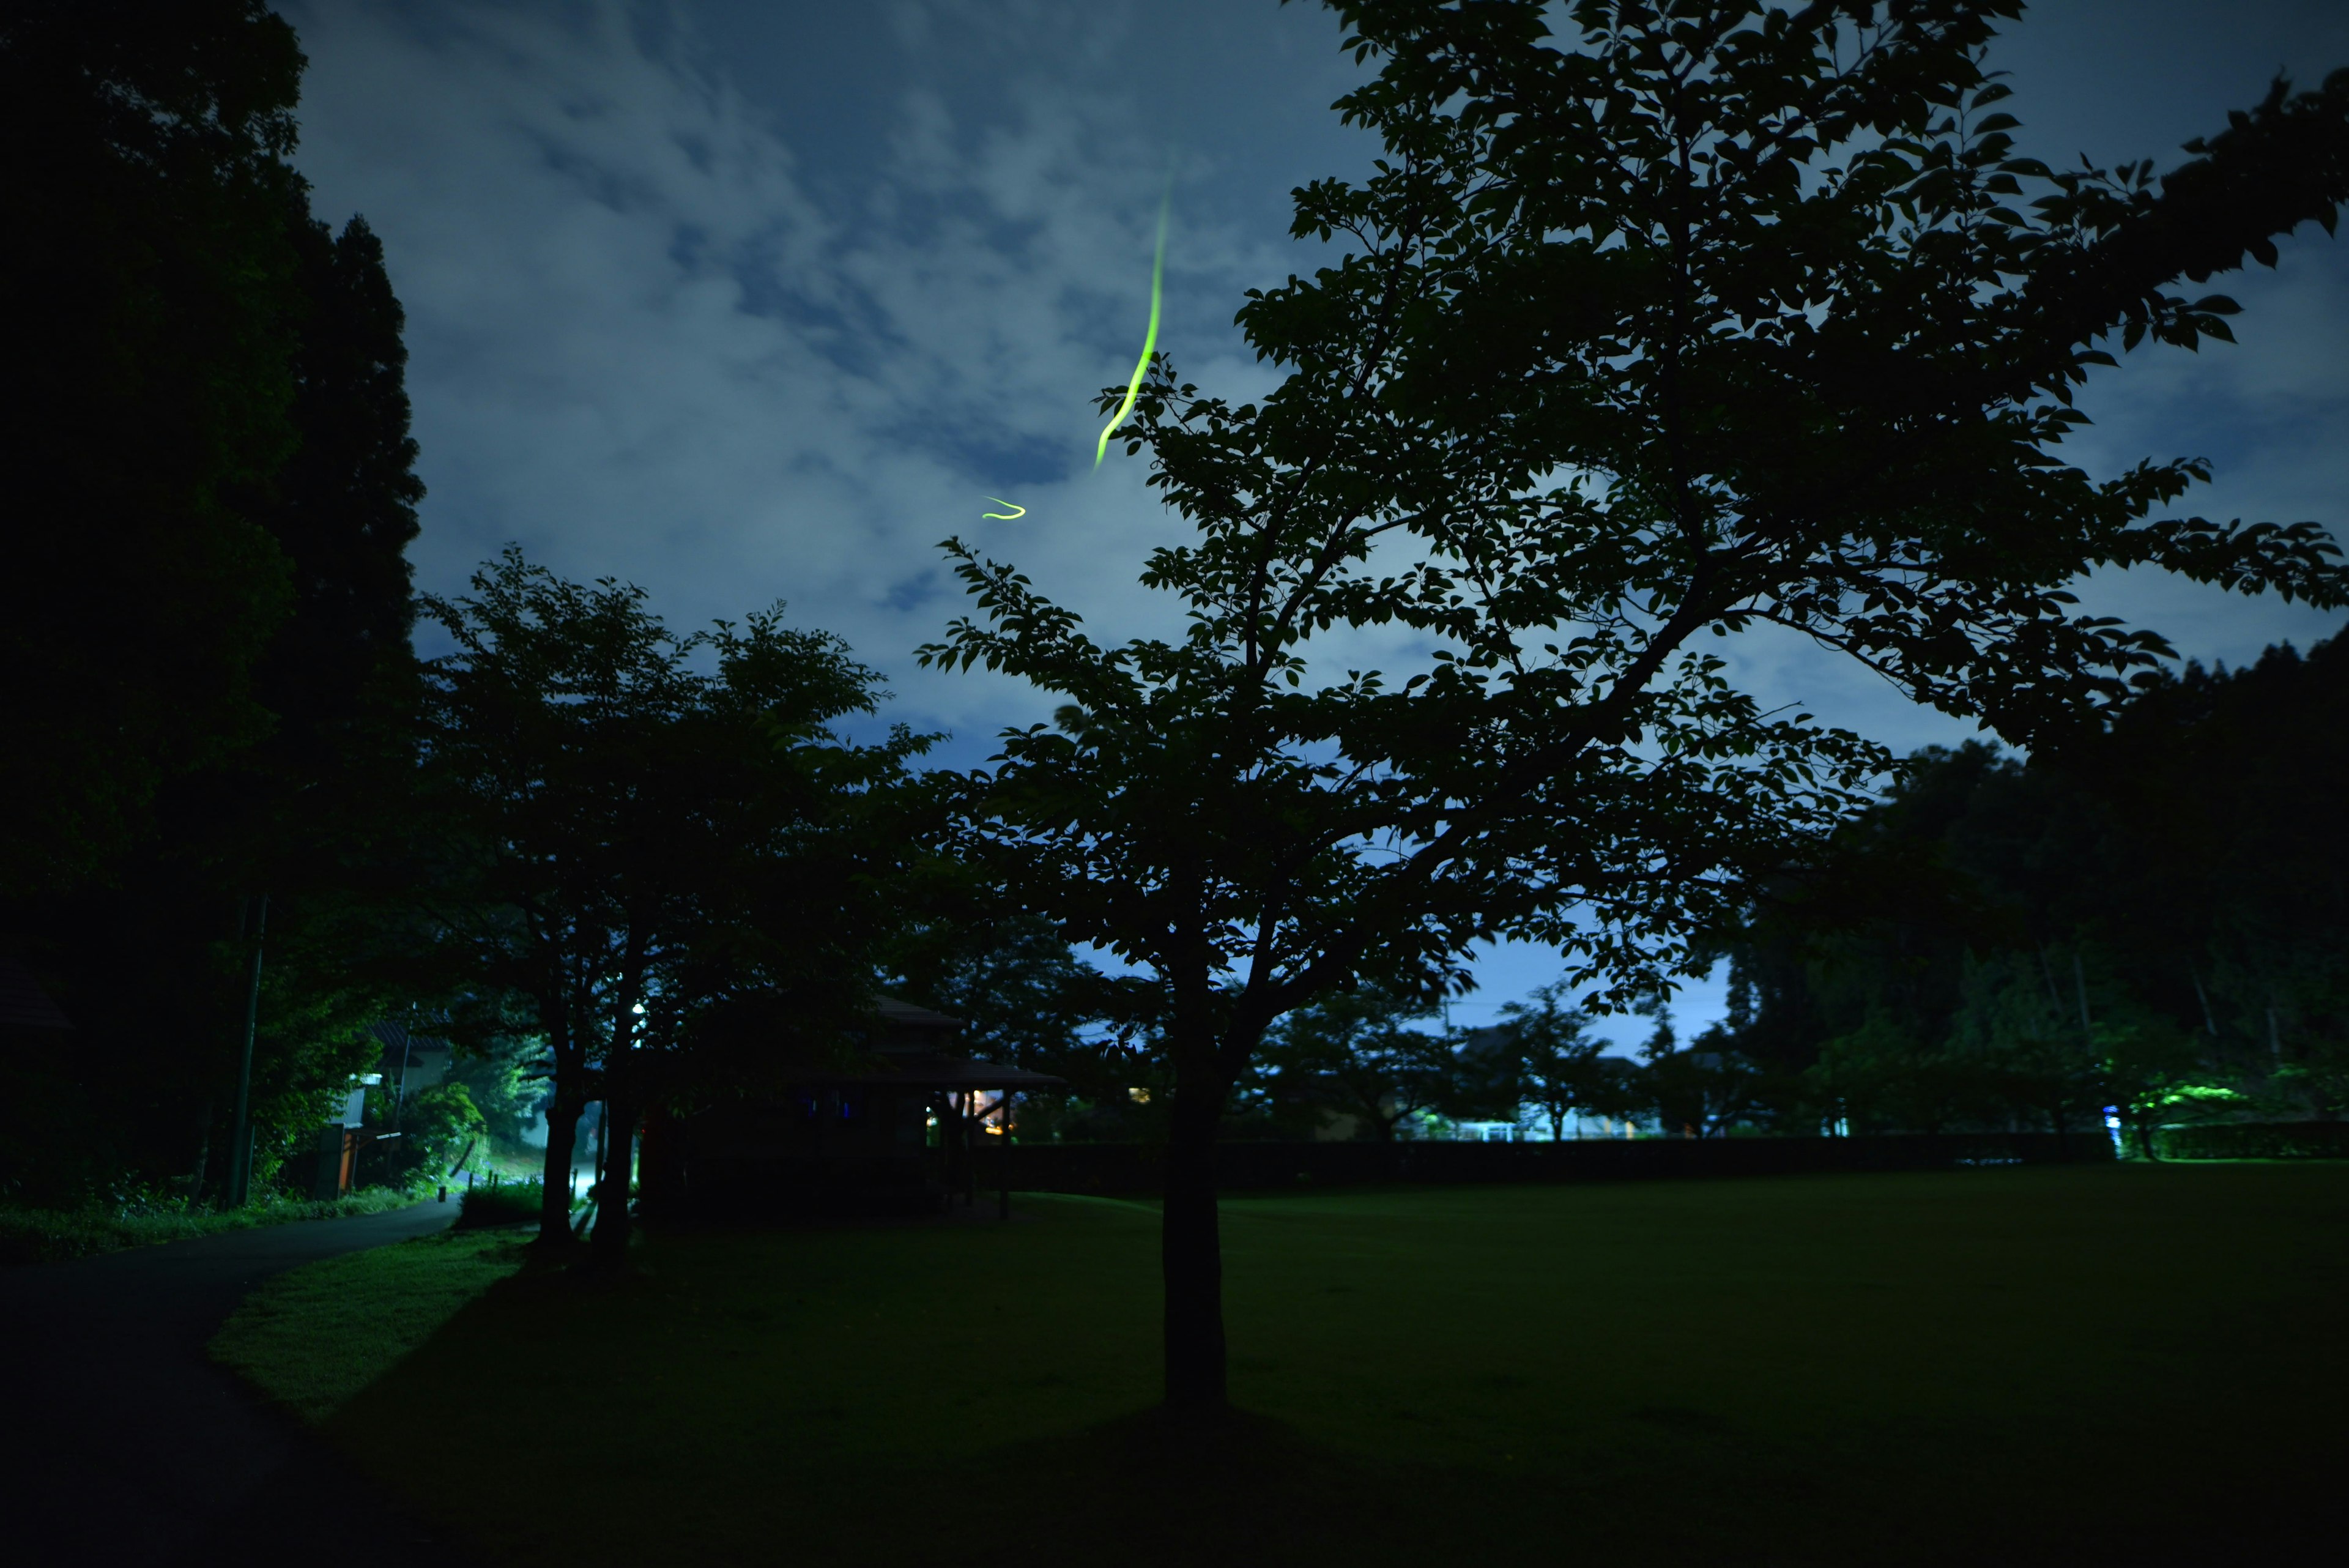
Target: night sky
x=758, y=301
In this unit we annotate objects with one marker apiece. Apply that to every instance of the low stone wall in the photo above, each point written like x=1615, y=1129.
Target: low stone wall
x=1134, y=1171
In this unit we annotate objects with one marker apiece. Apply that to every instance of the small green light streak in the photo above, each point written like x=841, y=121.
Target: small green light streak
x=1016, y=513
x=1150, y=339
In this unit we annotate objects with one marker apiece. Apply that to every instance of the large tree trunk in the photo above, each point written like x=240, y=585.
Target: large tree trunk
x=1191, y=1253
x=569, y=1101
x=624, y=1099
x=609, y=1244
x=561, y=1142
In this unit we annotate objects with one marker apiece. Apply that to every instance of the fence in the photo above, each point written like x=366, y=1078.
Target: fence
x=1133, y=1170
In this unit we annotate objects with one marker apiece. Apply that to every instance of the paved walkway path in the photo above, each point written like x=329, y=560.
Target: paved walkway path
x=122, y=1443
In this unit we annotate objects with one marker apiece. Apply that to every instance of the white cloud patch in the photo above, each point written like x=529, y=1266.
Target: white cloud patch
x=641, y=348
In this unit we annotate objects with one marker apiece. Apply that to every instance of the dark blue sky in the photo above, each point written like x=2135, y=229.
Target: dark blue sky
x=748, y=301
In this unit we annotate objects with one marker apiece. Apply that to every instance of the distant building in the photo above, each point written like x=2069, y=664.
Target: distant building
x=409, y=1063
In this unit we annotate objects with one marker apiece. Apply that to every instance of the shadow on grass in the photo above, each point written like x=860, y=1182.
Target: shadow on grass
x=1242, y=1487
x=1157, y=1488
x=1707, y=1376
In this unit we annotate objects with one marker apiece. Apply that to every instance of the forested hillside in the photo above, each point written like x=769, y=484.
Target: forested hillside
x=210, y=479
x=2150, y=915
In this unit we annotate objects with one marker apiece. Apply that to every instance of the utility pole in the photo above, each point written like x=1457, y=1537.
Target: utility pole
x=240, y=1145
x=399, y=1096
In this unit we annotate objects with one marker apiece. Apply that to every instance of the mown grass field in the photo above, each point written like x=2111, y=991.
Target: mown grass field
x=314, y=1337
x=2075, y=1364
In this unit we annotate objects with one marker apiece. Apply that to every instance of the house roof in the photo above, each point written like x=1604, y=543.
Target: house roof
x=398, y=1037
x=23, y=1004
x=906, y=1015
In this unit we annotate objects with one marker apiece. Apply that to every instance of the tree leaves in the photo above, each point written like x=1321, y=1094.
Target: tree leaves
x=1685, y=318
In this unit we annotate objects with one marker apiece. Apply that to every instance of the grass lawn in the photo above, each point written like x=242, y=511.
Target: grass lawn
x=313, y=1336
x=2079, y=1365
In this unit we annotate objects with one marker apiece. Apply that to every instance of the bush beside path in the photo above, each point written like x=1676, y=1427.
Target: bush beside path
x=29, y=1234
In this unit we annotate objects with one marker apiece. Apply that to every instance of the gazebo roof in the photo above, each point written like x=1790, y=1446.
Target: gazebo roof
x=935, y=1070
x=906, y=1015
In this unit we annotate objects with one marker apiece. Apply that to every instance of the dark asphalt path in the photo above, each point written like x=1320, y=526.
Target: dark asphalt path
x=121, y=1443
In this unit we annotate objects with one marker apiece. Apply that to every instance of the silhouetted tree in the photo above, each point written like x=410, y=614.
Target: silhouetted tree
x=657, y=856
x=209, y=462
x=2126, y=918
x=146, y=366
x=1561, y=1068
x=1651, y=325
x=1352, y=1054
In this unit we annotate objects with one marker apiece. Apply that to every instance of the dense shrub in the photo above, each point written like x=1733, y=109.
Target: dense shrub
x=2255, y=1140
x=35, y=1235
x=441, y=1124
x=503, y=1203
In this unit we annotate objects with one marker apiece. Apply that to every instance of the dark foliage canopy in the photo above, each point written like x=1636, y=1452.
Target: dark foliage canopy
x=2156, y=906
x=147, y=359
x=1699, y=317
x=209, y=478
x=680, y=873
x=1655, y=323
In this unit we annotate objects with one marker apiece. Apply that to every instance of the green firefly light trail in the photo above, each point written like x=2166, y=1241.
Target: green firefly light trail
x=1149, y=341
x=1017, y=511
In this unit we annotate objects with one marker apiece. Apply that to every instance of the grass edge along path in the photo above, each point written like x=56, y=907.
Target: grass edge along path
x=2028, y=1365
x=29, y=1234
x=313, y=1337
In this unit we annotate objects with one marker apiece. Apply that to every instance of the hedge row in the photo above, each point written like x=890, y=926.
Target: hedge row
x=32, y=1235
x=1128, y=1168
x=2255, y=1140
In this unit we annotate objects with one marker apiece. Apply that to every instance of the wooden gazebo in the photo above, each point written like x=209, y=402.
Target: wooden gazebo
x=860, y=1140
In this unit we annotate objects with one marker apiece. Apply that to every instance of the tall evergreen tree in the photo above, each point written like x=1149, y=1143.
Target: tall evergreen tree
x=209, y=475
x=145, y=358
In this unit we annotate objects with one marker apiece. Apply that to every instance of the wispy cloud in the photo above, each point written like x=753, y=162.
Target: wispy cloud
x=645, y=344
x=750, y=302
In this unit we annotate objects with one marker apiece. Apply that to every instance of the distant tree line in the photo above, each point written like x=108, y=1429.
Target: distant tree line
x=2149, y=917
x=2151, y=914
